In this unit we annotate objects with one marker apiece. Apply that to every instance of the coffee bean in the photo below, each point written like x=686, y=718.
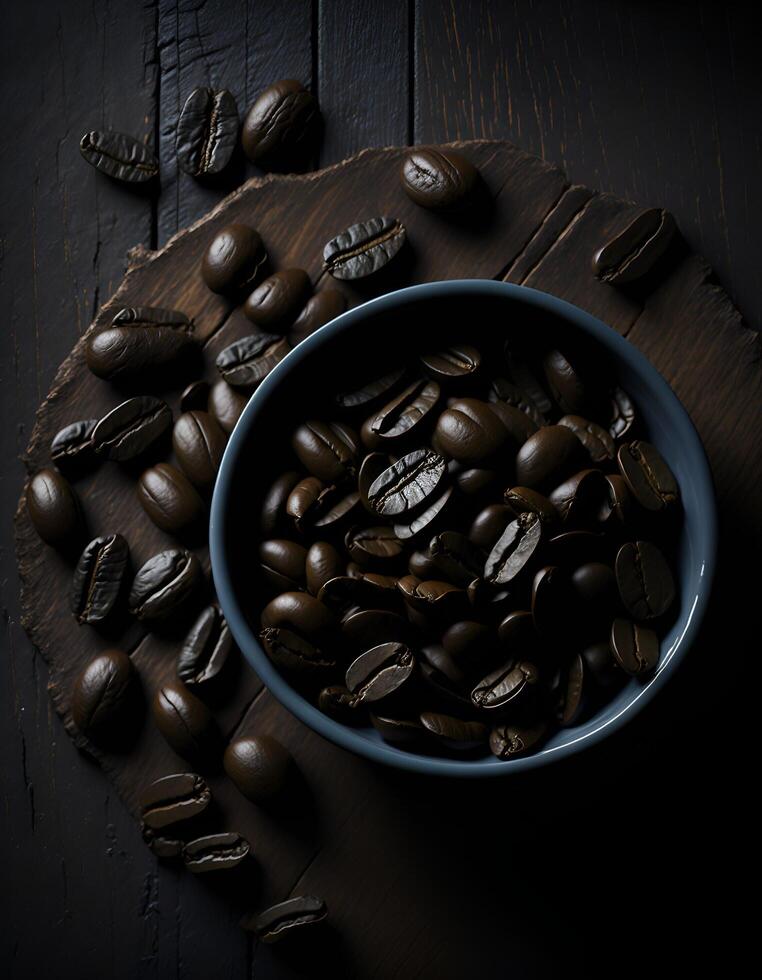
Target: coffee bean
x=452, y=363
x=469, y=431
x=570, y=702
x=247, y=362
x=258, y=765
x=635, y=648
x=565, y=383
x=53, y=508
x=132, y=428
x=633, y=252
x=454, y=733
x=437, y=179
x=119, y=156
x=403, y=416
x=195, y=397
x=152, y=317
x=273, y=515
x=524, y=500
x=171, y=799
x=365, y=628
x=397, y=730
x=336, y=510
x=517, y=424
x=622, y=416
x=164, y=584
x=293, y=653
x=300, y=612
x=429, y=519
x=141, y=340
x=72, y=448
x=456, y=558
x=407, y=484
x=206, y=650
x=318, y=310
x=207, y=132
x=226, y=405
x=522, y=375
x=371, y=392
x=364, y=248
x=369, y=589
x=489, y=524
x=234, y=259
x=601, y=667
x=283, y=564
x=547, y=456
x=322, y=563
x=579, y=496
x=104, y=695
x=508, y=686
x=596, y=440
x=328, y=450
x=98, y=578
x=280, y=126
x=617, y=506
x=442, y=665
x=468, y=643
x=169, y=499
x=302, y=503
x=472, y=482
x=380, y=671
x=502, y=390
x=278, y=299
x=164, y=846
x=185, y=722
x=572, y=548
x=644, y=579
x=513, y=549
x=199, y=442
x=339, y=703
x=594, y=585
x=287, y=918
x=215, y=852
x=436, y=600
x=509, y=741
x=374, y=545
x=647, y=475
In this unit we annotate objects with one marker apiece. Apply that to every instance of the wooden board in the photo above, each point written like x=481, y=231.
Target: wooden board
x=539, y=231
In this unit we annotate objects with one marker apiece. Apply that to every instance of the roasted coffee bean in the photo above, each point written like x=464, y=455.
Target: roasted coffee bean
x=441, y=663
x=278, y=299
x=293, y=653
x=469, y=431
x=119, y=156
x=452, y=363
x=523, y=500
x=171, y=799
x=336, y=510
x=152, y=317
x=472, y=482
x=318, y=310
x=489, y=524
x=633, y=252
x=72, y=446
x=454, y=733
x=516, y=632
x=635, y=648
x=437, y=179
x=207, y=132
x=468, y=643
x=169, y=499
x=547, y=456
x=508, y=686
x=195, y=397
x=132, y=428
x=594, y=585
x=372, y=466
x=437, y=601
x=287, y=918
x=367, y=589
x=185, y=722
x=552, y=603
x=373, y=545
x=303, y=500
x=380, y=671
x=572, y=548
x=206, y=650
x=509, y=741
x=258, y=765
x=199, y=442
x=104, y=695
x=647, y=476
x=164, y=584
x=428, y=520
x=300, y=612
x=328, y=450
x=364, y=248
x=215, y=852
x=513, y=549
x=126, y=352
x=366, y=628
x=579, y=496
x=98, y=578
x=339, y=703
x=397, y=730
x=53, y=508
x=617, y=506
x=273, y=517
x=406, y=484
x=234, y=259
x=164, y=846
x=570, y=701
x=226, y=405
x=644, y=579
x=517, y=424
x=521, y=374
x=502, y=390
x=283, y=564
x=456, y=558
x=280, y=126
x=403, y=416
x=596, y=440
x=371, y=393
x=622, y=416
x=323, y=562
x=565, y=383
x=246, y=363
x=601, y=667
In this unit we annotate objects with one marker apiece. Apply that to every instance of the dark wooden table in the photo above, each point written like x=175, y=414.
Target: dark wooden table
x=631, y=852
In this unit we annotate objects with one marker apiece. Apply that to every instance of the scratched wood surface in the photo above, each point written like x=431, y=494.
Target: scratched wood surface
x=655, y=102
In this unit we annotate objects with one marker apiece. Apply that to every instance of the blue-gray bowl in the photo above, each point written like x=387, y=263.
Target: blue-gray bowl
x=235, y=502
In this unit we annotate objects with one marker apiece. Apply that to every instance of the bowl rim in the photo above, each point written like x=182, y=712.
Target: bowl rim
x=343, y=735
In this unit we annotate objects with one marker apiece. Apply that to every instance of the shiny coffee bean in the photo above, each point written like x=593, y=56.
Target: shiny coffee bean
x=622, y=416
x=435, y=600
x=283, y=564
x=451, y=363
x=454, y=733
x=169, y=499
x=246, y=362
x=207, y=132
x=456, y=559
x=132, y=428
x=273, y=516
x=199, y=442
x=510, y=741
x=513, y=549
x=328, y=450
x=438, y=179
x=570, y=700
x=53, y=508
x=171, y=799
x=322, y=563
x=98, y=578
x=337, y=511
x=489, y=524
x=366, y=628
x=601, y=667
x=164, y=584
x=547, y=456
x=163, y=846
x=226, y=405
x=215, y=852
x=104, y=695
x=119, y=156
x=287, y=918
x=579, y=496
x=234, y=259
x=279, y=128
x=469, y=431
x=134, y=348
x=195, y=397
x=523, y=500
x=502, y=390
x=647, y=476
x=339, y=703
x=380, y=671
x=293, y=653
x=371, y=393
x=429, y=519
x=407, y=484
x=398, y=730
x=402, y=417
x=566, y=385
x=635, y=648
x=522, y=375
x=318, y=310
x=634, y=251
x=441, y=662
x=258, y=765
x=185, y=722
x=364, y=248
x=303, y=501
x=474, y=481
x=645, y=581
x=72, y=447
x=617, y=507
x=516, y=632
x=468, y=643
x=300, y=612
x=595, y=439
x=369, y=589
x=206, y=650
x=277, y=300
x=517, y=424
x=509, y=686
x=374, y=546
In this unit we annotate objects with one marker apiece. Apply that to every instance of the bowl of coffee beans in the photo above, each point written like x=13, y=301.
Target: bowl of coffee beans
x=465, y=528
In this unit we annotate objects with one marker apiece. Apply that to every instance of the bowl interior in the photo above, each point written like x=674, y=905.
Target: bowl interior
x=385, y=332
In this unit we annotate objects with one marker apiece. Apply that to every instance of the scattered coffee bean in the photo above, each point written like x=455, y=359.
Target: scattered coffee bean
x=140, y=341
x=98, y=578
x=247, y=362
x=226, y=405
x=119, y=156
x=164, y=846
x=174, y=798
x=286, y=918
x=206, y=650
x=233, y=260
x=633, y=252
x=644, y=579
x=437, y=179
x=72, y=447
x=281, y=125
x=164, y=584
x=199, y=442
x=278, y=299
x=364, y=248
x=318, y=310
x=215, y=852
x=53, y=508
x=635, y=648
x=104, y=694
x=131, y=428
x=207, y=132
x=169, y=499
x=647, y=476
x=185, y=722
x=258, y=765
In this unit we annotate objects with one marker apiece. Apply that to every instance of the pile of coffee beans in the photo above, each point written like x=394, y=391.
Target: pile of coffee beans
x=468, y=550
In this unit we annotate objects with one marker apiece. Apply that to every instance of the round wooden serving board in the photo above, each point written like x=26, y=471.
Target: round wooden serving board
x=352, y=825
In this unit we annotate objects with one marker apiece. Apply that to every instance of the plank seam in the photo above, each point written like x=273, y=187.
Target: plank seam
x=505, y=271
